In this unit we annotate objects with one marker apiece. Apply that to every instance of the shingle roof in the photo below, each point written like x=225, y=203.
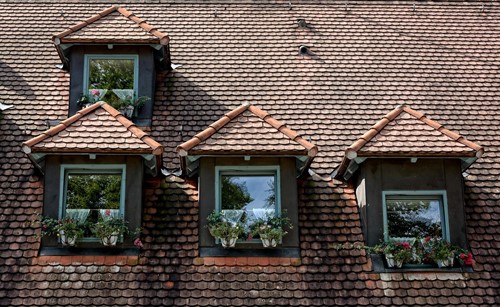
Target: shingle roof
x=96, y=129
x=113, y=25
x=366, y=57
x=247, y=130
x=405, y=132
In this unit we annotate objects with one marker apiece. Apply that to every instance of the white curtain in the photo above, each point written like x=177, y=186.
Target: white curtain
x=263, y=214
x=232, y=216
x=79, y=215
x=109, y=213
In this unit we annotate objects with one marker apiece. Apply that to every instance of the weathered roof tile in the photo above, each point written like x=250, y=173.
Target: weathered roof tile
x=243, y=130
x=115, y=24
x=110, y=132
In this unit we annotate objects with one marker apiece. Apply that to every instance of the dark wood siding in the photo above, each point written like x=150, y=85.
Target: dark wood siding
x=378, y=175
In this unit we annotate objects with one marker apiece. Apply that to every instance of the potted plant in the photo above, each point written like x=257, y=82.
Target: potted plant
x=271, y=229
x=92, y=97
x=465, y=257
x=222, y=228
x=396, y=253
x=129, y=104
x=67, y=229
x=441, y=251
x=109, y=228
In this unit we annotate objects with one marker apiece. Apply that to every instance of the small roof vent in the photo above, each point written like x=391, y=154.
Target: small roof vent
x=303, y=50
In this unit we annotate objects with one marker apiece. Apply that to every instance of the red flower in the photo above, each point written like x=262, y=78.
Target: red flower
x=462, y=256
x=406, y=245
x=468, y=261
x=427, y=239
x=108, y=212
x=249, y=236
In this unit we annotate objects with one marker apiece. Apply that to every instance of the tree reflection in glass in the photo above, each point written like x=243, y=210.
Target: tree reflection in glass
x=110, y=74
x=86, y=194
x=410, y=218
x=254, y=194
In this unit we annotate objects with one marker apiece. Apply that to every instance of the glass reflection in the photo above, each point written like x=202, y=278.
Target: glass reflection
x=107, y=75
x=254, y=195
x=87, y=194
x=409, y=218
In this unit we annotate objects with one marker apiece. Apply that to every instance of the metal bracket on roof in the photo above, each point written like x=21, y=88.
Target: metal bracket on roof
x=360, y=160
x=192, y=168
x=466, y=162
x=351, y=169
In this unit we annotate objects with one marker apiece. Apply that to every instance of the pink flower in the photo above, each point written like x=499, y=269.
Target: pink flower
x=107, y=212
x=427, y=239
x=95, y=92
x=249, y=236
x=406, y=245
x=138, y=243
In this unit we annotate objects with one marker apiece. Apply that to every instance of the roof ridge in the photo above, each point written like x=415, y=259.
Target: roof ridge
x=162, y=37
x=312, y=149
x=139, y=133
x=211, y=130
x=453, y=135
x=183, y=148
x=59, y=127
x=351, y=151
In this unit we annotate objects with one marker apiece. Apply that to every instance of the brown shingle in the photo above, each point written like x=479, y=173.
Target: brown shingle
x=404, y=132
x=98, y=128
x=247, y=130
x=114, y=24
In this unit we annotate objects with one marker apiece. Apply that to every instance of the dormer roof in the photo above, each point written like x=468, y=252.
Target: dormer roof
x=405, y=132
x=115, y=25
x=247, y=131
x=98, y=129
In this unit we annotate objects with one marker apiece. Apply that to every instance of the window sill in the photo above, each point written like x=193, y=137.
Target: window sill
x=95, y=251
x=280, y=252
x=379, y=267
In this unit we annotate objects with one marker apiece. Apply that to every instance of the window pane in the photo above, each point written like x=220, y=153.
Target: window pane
x=254, y=195
x=87, y=194
x=414, y=217
x=111, y=74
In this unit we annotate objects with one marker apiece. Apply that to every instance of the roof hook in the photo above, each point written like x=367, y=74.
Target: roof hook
x=414, y=7
x=215, y=13
x=290, y=6
x=482, y=7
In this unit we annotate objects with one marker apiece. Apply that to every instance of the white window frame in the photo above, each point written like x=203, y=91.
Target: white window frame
x=90, y=169
x=437, y=194
x=89, y=57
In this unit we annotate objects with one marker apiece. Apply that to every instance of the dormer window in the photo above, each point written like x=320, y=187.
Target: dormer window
x=113, y=56
x=111, y=77
x=248, y=180
x=407, y=170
